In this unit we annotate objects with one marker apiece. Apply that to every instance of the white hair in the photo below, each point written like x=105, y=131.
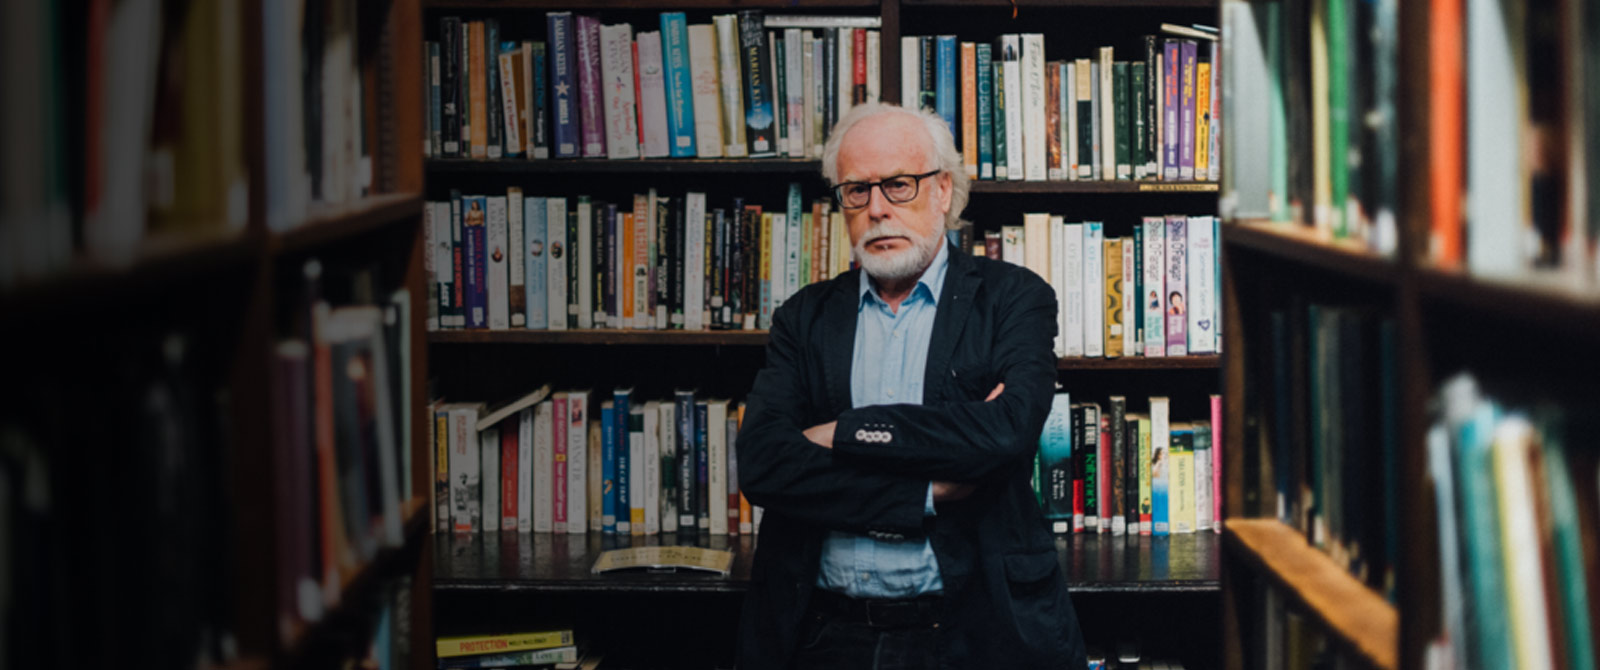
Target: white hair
x=941, y=145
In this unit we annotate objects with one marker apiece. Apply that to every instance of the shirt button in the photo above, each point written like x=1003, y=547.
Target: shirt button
x=866, y=576
x=891, y=393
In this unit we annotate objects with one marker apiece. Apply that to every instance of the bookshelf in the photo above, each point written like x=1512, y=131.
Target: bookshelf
x=486, y=580
x=144, y=458
x=1480, y=336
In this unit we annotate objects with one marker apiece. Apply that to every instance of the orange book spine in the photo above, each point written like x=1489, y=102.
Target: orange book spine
x=969, y=108
x=1445, y=131
x=477, y=90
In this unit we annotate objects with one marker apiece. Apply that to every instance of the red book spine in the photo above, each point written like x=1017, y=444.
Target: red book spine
x=508, y=474
x=859, y=66
x=558, y=472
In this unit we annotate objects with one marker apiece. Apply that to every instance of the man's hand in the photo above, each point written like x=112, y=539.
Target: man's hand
x=822, y=434
x=998, y=389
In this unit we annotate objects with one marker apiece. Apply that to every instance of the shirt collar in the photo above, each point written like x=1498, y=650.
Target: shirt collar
x=931, y=282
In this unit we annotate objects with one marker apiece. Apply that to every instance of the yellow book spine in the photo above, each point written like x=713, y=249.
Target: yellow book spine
x=1202, y=119
x=1113, y=296
x=468, y=645
x=1182, y=500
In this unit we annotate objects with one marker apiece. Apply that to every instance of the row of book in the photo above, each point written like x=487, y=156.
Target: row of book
x=744, y=85
x=549, y=464
x=657, y=262
x=1153, y=292
x=1330, y=402
x=1017, y=116
x=1312, y=128
x=555, y=649
x=1104, y=469
x=1515, y=492
x=342, y=434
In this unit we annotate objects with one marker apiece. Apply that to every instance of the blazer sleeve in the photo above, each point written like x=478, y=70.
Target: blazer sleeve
x=782, y=471
x=970, y=440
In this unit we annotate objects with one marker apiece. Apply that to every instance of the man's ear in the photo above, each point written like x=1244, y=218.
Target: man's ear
x=946, y=188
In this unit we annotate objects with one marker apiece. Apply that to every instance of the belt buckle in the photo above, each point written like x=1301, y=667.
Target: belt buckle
x=892, y=614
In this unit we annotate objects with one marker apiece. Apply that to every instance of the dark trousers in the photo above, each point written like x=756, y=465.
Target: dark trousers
x=841, y=633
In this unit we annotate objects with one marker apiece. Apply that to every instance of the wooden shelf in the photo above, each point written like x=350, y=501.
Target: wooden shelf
x=1549, y=300
x=601, y=337
x=670, y=5
x=353, y=612
x=1305, y=245
x=1066, y=187
x=455, y=166
x=1347, y=608
x=1201, y=362
x=328, y=224
x=546, y=562
x=1110, y=4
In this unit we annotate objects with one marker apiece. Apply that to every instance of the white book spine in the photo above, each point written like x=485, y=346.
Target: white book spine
x=1036, y=249
x=1011, y=69
x=555, y=244
x=582, y=252
x=489, y=458
x=652, y=468
x=1094, y=288
x=1058, y=281
x=516, y=270
x=464, y=471
x=727, y=28
x=717, y=466
x=430, y=262
x=1160, y=442
x=543, y=464
x=846, y=82
x=666, y=424
x=707, y=82
x=817, y=102
x=1035, y=144
x=808, y=78
x=694, y=297
x=1153, y=294
x=874, y=65
x=1202, y=290
x=652, y=96
x=577, y=462
x=778, y=242
x=1130, y=299
x=617, y=94
x=910, y=71
x=1108, y=116
x=508, y=99
x=499, y=287
x=525, y=471
x=443, y=257
x=1069, y=120
x=1011, y=245
x=1072, y=277
x=795, y=92
x=636, y=476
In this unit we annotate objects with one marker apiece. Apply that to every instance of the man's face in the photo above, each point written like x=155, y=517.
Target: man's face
x=893, y=241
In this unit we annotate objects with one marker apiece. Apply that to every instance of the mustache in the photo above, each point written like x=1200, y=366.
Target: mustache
x=887, y=229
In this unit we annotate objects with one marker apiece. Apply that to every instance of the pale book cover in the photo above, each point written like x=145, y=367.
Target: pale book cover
x=652, y=96
x=577, y=462
x=1152, y=293
x=1035, y=148
x=1094, y=279
x=543, y=464
x=489, y=463
x=733, y=127
x=705, y=77
x=651, y=467
x=617, y=91
x=717, y=469
x=1072, y=277
x=496, y=254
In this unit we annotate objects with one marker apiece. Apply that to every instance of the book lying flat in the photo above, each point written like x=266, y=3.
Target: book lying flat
x=691, y=558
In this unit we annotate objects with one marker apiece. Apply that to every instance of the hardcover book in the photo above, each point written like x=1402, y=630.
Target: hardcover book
x=755, y=60
x=679, y=84
x=591, y=106
x=618, y=106
x=563, y=86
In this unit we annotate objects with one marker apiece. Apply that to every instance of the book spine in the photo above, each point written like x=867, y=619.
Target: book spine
x=575, y=262
x=759, y=115
x=623, y=490
x=1100, y=141
x=1085, y=115
x=477, y=91
x=450, y=85
x=1145, y=490
x=620, y=109
x=1202, y=477
x=474, y=237
x=716, y=517
x=1015, y=86
x=1092, y=470
x=651, y=471
x=535, y=266
x=1170, y=108
x=434, y=144
x=639, y=268
x=1001, y=167
x=1117, y=473
x=652, y=96
x=969, y=108
x=1186, y=109
x=544, y=466
x=558, y=464
x=1216, y=467
x=1182, y=485
x=684, y=468
x=1132, y=272
x=1035, y=146
x=858, y=66
x=439, y=249
x=510, y=94
x=1160, y=441
x=732, y=78
x=679, y=84
x=540, y=104
x=1072, y=340
x=608, y=467
x=516, y=258
x=525, y=494
x=1094, y=344
x=795, y=89
x=984, y=72
x=1201, y=265
x=602, y=291
x=1152, y=108
x=1055, y=464
x=446, y=647
x=591, y=107
x=793, y=227
x=465, y=487
x=577, y=462
x=1079, y=455
x=735, y=416
x=1052, y=122
x=694, y=245
x=1121, y=105
x=1139, y=152
x=637, y=468
x=563, y=83
x=556, y=263
x=1177, y=322
x=702, y=475
x=498, y=279
x=493, y=108
x=945, y=92
x=1111, y=298
x=580, y=264
x=1202, y=113
x=442, y=476
x=1067, y=107
x=707, y=83
x=508, y=475
x=1152, y=292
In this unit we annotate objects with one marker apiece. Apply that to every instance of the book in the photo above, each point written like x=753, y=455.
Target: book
x=535, y=265
x=1111, y=297
x=1152, y=292
x=619, y=108
x=756, y=64
x=474, y=258
x=986, y=102
x=1117, y=409
x=1160, y=466
x=590, y=85
x=497, y=273
x=533, y=657
x=469, y=645
x=509, y=493
x=731, y=76
x=516, y=259
x=1201, y=266
x=577, y=462
x=563, y=85
x=679, y=84
x=1177, y=321
x=543, y=466
x=664, y=557
x=524, y=472
x=654, y=142
x=707, y=80
x=1094, y=344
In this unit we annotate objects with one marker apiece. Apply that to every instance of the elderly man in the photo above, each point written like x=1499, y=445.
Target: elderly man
x=890, y=436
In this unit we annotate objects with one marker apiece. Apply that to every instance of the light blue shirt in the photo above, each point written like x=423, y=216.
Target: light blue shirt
x=891, y=355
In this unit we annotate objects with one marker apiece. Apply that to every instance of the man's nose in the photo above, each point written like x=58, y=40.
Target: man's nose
x=877, y=203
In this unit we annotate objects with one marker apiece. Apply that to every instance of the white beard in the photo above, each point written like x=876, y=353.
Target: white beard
x=898, y=265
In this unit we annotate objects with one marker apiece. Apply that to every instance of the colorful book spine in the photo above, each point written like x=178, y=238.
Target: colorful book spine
x=1111, y=297
x=1000, y=148
x=516, y=258
x=496, y=270
x=1138, y=122
x=563, y=84
x=622, y=405
x=756, y=63
x=577, y=462
x=1181, y=485
x=1131, y=274
x=702, y=474
x=1117, y=410
x=986, y=115
x=608, y=467
x=636, y=471
x=1084, y=87
x=508, y=474
x=684, y=422
x=591, y=107
x=1177, y=320
x=945, y=91
x=1122, y=106
x=559, y=442
x=1152, y=293
x=540, y=106
x=474, y=238
x=1160, y=466
x=1170, y=80
x=679, y=84
x=969, y=108
x=473, y=645
x=1186, y=109
x=1145, y=490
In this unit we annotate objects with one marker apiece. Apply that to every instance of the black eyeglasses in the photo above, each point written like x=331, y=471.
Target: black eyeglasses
x=899, y=189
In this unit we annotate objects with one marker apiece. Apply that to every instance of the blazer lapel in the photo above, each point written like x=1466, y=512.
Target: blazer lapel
x=839, y=339
x=955, y=305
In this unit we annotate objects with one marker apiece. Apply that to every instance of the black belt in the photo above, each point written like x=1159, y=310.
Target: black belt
x=918, y=612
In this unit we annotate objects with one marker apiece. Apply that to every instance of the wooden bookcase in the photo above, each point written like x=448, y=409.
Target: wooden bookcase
x=140, y=395
x=1163, y=593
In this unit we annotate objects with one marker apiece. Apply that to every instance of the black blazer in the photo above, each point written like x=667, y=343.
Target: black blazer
x=1006, y=601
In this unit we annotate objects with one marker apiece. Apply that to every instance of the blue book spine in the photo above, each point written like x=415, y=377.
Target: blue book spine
x=759, y=115
x=608, y=468
x=1055, y=464
x=435, y=127
x=985, y=73
x=533, y=231
x=1186, y=120
x=946, y=91
x=620, y=503
x=474, y=238
x=496, y=111
x=563, y=84
x=683, y=411
x=702, y=478
x=680, y=90
x=539, y=107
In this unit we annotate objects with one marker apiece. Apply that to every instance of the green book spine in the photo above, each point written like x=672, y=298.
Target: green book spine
x=1124, y=128
x=1140, y=153
x=999, y=121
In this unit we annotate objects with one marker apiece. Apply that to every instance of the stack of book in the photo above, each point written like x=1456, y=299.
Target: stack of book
x=553, y=649
x=547, y=463
x=744, y=85
x=1104, y=469
x=1018, y=116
